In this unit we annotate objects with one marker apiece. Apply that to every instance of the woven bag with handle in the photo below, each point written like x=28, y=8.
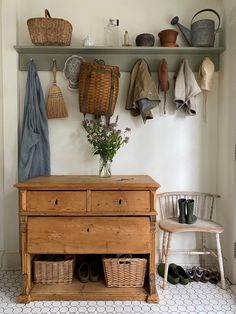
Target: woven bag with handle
x=47, y=31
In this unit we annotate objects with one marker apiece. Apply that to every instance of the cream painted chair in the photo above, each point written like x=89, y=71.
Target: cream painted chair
x=167, y=205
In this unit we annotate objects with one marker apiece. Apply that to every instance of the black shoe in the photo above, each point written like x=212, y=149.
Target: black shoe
x=94, y=271
x=83, y=272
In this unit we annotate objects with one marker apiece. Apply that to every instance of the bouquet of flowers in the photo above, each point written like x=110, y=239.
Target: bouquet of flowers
x=105, y=140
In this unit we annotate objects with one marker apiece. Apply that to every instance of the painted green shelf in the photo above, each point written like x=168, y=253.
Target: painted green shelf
x=124, y=57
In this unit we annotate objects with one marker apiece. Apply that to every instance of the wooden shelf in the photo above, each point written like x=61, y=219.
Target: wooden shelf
x=124, y=57
x=86, y=291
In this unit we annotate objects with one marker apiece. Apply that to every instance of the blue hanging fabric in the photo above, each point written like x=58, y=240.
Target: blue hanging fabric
x=34, y=157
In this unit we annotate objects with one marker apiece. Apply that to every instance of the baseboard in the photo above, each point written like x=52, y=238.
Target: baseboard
x=9, y=260
x=1, y=257
x=187, y=260
x=233, y=289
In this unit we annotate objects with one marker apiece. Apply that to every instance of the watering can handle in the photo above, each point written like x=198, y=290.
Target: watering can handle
x=211, y=10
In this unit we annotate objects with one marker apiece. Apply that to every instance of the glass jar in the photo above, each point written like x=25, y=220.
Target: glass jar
x=111, y=33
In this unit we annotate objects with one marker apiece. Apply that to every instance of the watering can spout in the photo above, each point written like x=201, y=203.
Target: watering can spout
x=184, y=30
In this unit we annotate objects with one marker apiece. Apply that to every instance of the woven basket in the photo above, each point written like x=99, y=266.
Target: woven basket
x=47, y=31
x=53, y=271
x=124, y=272
x=98, y=88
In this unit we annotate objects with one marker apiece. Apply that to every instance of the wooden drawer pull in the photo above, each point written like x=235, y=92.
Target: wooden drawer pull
x=56, y=202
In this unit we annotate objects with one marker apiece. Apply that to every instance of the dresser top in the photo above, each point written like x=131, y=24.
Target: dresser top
x=88, y=182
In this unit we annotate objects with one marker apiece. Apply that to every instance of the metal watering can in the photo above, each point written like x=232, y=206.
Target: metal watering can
x=202, y=33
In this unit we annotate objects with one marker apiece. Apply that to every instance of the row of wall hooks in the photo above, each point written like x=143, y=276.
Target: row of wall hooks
x=124, y=58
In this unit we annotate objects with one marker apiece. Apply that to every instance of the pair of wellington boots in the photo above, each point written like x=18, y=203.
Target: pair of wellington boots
x=186, y=208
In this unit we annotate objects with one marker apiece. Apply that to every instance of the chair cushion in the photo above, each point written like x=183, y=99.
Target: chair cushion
x=172, y=225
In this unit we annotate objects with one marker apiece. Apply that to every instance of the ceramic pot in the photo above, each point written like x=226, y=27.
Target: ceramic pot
x=167, y=37
x=145, y=39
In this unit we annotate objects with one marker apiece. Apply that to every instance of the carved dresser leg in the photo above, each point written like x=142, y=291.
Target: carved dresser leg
x=153, y=296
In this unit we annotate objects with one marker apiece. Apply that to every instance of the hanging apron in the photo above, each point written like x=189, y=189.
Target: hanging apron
x=34, y=159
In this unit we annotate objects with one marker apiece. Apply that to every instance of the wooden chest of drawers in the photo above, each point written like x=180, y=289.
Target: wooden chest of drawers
x=87, y=215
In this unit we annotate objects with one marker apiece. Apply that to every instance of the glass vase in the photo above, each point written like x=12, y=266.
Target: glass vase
x=104, y=168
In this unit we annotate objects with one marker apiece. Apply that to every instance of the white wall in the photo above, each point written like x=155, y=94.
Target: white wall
x=9, y=139
x=227, y=140
x=1, y=155
x=90, y=17
x=179, y=152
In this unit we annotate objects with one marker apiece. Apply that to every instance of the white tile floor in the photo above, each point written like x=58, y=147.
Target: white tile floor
x=193, y=298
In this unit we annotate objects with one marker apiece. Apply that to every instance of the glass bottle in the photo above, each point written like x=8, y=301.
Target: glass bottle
x=111, y=33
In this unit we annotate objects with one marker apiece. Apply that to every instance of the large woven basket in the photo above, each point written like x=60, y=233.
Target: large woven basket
x=53, y=271
x=98, y=88
x=47, y=31
x=124, y=272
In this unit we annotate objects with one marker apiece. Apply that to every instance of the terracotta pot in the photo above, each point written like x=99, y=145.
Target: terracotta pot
x=168, y=36
x=170, y=45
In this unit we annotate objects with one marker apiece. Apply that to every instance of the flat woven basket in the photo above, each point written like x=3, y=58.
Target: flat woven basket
x=52, y=271
x=47, y=31
x=98, y=88
x=124, y=272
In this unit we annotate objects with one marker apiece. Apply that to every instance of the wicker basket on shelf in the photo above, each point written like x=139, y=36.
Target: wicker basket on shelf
x=124, y=272
x=98, y=88
x=47, y=31
x=54, y=270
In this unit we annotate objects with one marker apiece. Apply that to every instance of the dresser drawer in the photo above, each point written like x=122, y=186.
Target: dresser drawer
x=61, y=201
x=120, y=201
x=78, y=235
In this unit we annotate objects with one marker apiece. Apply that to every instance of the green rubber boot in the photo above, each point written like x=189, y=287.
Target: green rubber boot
x=182, y=214
x=190, y=217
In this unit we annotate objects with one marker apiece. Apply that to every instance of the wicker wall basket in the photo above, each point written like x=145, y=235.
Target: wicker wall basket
x=98, y=88
x=53, y=271
x=47, y=31
x=124, y=272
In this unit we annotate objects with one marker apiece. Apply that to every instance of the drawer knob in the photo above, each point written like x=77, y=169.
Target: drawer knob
x=88, y=230
x=120, y=201
x=56, y=202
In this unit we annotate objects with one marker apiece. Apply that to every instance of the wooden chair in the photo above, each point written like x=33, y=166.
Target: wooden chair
x=167, y=204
